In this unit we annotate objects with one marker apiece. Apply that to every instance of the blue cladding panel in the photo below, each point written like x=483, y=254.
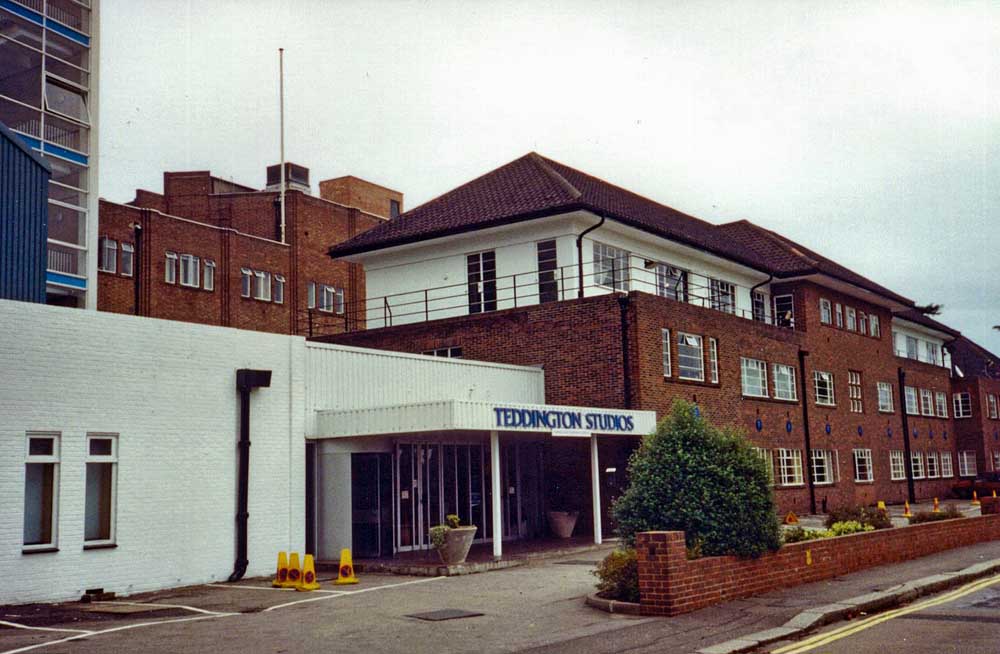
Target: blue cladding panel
x=65, y=280
x=66, y=154
x=82, y=39
x=22, y=11
x=24, y=216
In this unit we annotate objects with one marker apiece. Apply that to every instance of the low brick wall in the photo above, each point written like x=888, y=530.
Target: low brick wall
x=670, y=584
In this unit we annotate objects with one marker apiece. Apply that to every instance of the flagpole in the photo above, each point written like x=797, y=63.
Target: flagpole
x=281, y=94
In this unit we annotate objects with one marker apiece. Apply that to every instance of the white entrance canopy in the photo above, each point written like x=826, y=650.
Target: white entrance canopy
x=492, y=417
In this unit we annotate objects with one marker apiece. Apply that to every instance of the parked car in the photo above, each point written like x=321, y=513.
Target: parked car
x=984, y=484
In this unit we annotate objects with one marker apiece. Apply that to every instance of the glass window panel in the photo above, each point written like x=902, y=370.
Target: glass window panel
x=68, y=195
x=70, y=14
x=39, y=495
x=66, y=100
x=67, y=225
x=68, y=173
x=65, y=260
x=67, y=50
x=41, y=447
x=21, y=118
x=20, y=72
x=66, y=133
x=97, y=510
x=20, y=29
x=73, y=74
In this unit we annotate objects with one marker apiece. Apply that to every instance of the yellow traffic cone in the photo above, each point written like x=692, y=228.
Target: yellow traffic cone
x=906, y=510
x=937, y=507
x=791, y=518
x=994, y=493
x=294, y=572
x=308, y=581
x=975, y=499
x=281, y=576
x=345, y=574
x=881, y=505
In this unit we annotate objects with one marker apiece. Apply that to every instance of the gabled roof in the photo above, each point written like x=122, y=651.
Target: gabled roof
x=7, y=134
x=913, y=315
x=532, y=187
x=973, y=359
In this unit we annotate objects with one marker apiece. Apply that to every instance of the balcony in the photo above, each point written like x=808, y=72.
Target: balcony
x=66, y=260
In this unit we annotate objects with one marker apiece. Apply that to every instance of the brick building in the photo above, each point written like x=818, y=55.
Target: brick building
x=210, y=251
x=846, y=389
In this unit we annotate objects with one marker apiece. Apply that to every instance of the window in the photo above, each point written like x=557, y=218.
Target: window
x=768, y=458
x=311, y=295
x=862, y=322
x=331, y=299
x=885, y=397
x=823, y=386
x=246, y=281
x=65, y=99
x=941, y=404
x=611, y=267
x=41, y=488
x=758, y=302
x=926, y=402
x=897, y=469
x=713, y=360
x=991, y=401
x=209, y=280
x=966, y=463
x=723, y=295
x=996, y=460
x=548, y=287
x=107, y=260
x=99, y=504
x=863, y=466
x=189, y=270
x=946, y=467
x=789, y=467
x=873, y=326
x=394, y=208
x=852, y=319
x=784, y=311
x=824, y=470
x=933, y=353
x=911, y=401
x=912, y=348
x=279, y=289
x=962, y=404
x=854, y=391
x=838, y=313
x=261, y=285
x=666, y=352
x=671, y=282
x=170, y=268
x=917, y=464
x=754, y=377
x=784, y=382
x=127, y=259
x=338, y=302
x=690, y=357
x=825, y=312
x=933, y=471
x=481, y=277
x=446, y=352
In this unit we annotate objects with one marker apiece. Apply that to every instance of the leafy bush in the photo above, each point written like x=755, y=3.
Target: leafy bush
x=693, y=477
x=849, y=527
x=949, y=513
x=439, y=535
x=619, y=576
x=866, y=515
x=800, y=534
x=452, y=521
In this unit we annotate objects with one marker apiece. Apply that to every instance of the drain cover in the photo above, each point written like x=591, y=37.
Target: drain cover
x=576, y=562
x=444, y=614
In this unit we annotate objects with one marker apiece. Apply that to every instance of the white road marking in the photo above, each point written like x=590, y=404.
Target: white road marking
x=16, y=625
x=351, y=592
x=284, y=590
x=169, y=606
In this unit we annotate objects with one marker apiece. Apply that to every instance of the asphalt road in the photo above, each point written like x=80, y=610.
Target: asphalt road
x=964, y=620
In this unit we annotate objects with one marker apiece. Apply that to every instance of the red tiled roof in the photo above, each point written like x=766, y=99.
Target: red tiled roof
x=913, y=315
x=973, y=359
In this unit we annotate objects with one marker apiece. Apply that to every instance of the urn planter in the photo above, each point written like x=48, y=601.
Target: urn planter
x=561, y=523
x=457, y=543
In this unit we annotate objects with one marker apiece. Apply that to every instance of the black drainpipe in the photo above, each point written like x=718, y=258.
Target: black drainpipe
x=246, y=381
x=805, y=430
x=623, y=301
x=769, y=279
x=906, y=436
x=137, y=259
x=579, y=252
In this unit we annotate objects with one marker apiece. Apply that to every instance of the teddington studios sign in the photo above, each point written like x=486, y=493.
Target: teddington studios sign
x=559, y=420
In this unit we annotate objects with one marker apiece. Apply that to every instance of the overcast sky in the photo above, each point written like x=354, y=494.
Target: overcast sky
x=869, y=132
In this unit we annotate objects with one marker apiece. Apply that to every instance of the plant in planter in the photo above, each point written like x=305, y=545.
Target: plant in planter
x=562, y=518
x=452, y=540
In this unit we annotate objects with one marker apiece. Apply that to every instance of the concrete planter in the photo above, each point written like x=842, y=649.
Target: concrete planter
x=561, y=523
x=457, y=544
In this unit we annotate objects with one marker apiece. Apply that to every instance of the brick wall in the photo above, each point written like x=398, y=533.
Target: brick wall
x=354, y=192
x=670, y=584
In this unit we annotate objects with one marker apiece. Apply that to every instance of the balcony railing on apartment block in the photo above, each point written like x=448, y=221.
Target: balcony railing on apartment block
x=484, y=294
x=923, y=359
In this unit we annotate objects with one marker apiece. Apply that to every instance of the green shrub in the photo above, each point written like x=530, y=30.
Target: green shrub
x=948, y=513
x=866, y=515
x=849, y=527
x=693, y=477
x=452, y=521
x=439, y=535
x=800, y=534
x=619, y=576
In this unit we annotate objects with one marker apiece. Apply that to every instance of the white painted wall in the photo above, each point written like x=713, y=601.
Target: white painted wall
x=168, y=389
x=397, y=278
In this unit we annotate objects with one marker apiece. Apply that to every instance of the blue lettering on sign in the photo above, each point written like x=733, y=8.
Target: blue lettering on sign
x=555, y=419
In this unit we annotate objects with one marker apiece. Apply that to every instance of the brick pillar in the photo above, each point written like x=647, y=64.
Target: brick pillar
x=659, y=553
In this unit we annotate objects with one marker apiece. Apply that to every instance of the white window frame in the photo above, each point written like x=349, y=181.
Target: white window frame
x=926, y=402
x=128, y=259
x=781, y=371
x=667, y=369
x=917, y=464
x=170, y=267
x=995, y=458
x=827, y=399
x=311, y=295
x=852, y=319
x=279, y=289
x=838, y=315
x=683, y=342
x=722, y=295
x=855, y=391
x=262, y=285
x=190, y=271
x=784, y=320
x=790, y=467
x=875, y=330
x=991, y=402
x=885, y=399
x=941, y=404
x=43, y=459
x=611, y=267
x=863, y=464
x=897, y=465
x=825, y=311
x=962, y=404
x=338, y=302
x=113, y=460
x=768, y=458
x=862, y=323
x=109, y=253
x=753, y=377
x=933, y=469
x=824, y=464
x=967, y=463
x=208, y=279
x=947, y=469
x=713, y=360
x=246, y=282
x=912, y=402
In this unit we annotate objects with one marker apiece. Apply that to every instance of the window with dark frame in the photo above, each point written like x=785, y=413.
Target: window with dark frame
x=548, y=287
x=671, y=282
x=481, y=272
x=784, y=310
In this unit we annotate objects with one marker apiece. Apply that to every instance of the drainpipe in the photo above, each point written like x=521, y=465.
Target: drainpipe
x=805, y=430
x=753, y=288
x=623, y=302
x=137, y=266
x=246, y=381
x=906, y=436
x=579, y=253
